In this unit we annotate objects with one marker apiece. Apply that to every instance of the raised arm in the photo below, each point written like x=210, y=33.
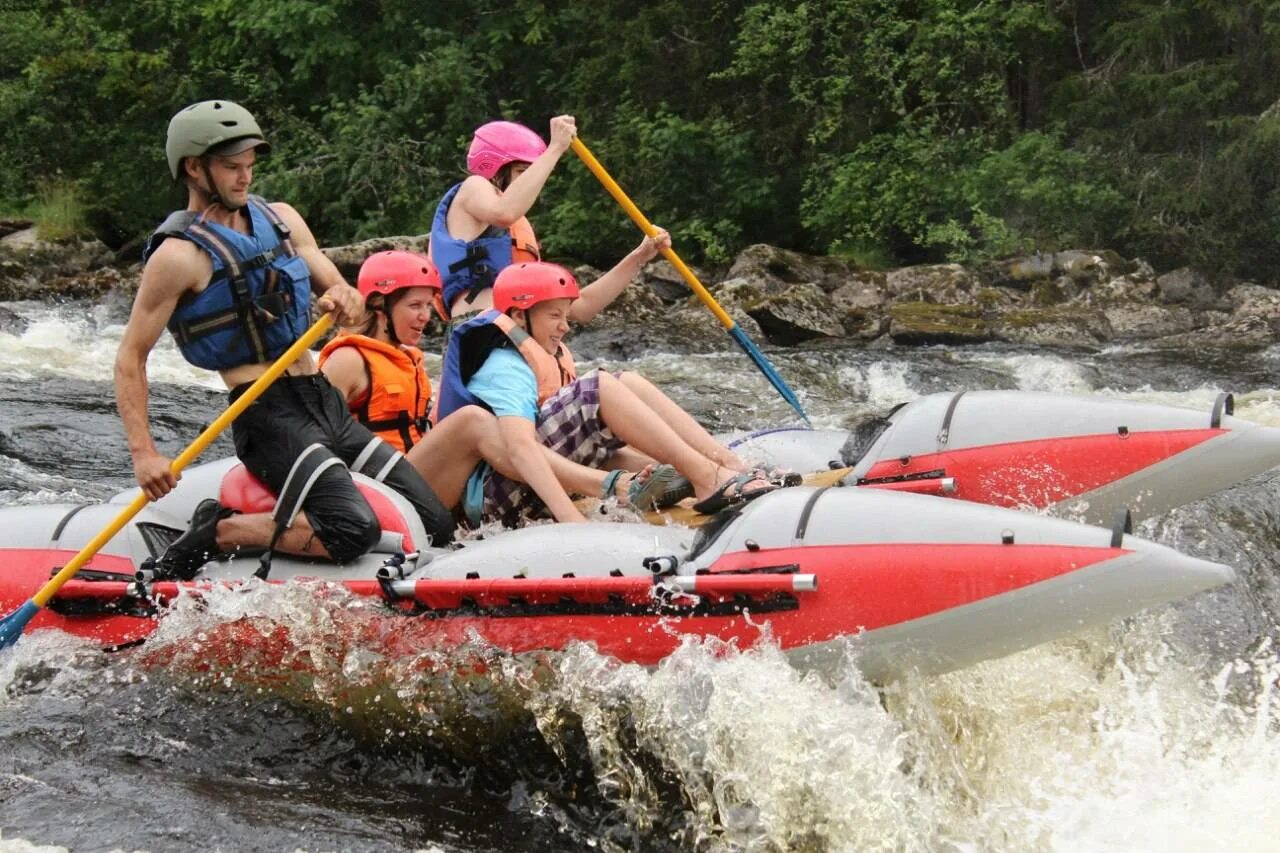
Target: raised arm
x=598, y=295
x=480, y=200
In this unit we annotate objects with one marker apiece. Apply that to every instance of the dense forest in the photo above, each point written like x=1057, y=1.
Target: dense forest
x=890, y=131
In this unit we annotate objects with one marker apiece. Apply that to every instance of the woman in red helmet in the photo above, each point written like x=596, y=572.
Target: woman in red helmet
x=379, y=369
x=480, y=225
x=511, y=361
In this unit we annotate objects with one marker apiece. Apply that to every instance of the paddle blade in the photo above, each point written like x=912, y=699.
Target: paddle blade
x=11, y=626
x=768, y=370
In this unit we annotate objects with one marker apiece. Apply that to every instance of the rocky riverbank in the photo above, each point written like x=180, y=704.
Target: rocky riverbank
x=1076, y=298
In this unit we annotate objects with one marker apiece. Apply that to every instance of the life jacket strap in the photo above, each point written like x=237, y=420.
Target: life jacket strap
x=401, y=423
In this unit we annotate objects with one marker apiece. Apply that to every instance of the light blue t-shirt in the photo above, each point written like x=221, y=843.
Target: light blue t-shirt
x=507, y=385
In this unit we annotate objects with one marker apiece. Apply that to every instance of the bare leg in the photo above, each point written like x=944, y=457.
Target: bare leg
x=633, y=421
x=629, y=459
x=255, y=530
x=448, y=454
x=450, y=451
x=681, y=422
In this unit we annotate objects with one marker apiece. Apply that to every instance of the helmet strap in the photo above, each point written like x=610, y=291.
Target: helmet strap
x=214, y=196
x=386, y=312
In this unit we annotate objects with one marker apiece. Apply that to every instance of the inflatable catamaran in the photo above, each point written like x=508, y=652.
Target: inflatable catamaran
x=1084, y=457
x=916, y=581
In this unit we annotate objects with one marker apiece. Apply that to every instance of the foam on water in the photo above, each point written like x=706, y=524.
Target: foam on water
x=880, y=386
x=1042, y=372
x=59, y=342
x=1108, y=741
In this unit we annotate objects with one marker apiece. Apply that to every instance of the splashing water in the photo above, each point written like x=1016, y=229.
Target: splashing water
x=1155, y=734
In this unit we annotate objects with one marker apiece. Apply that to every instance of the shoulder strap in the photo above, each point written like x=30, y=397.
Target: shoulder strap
x=174, y=225
x=276, y=222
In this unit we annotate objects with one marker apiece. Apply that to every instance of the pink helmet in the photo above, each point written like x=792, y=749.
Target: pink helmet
x=387, y=272
x=501, y=142
x=525, y=285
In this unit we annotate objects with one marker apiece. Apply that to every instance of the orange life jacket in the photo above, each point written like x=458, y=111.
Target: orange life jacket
x=553, y=372
x=524, y=243
x=399, y=395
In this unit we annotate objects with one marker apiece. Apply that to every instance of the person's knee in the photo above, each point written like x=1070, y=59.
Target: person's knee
x=342, y=519
x=475, y=422
x=352, y=534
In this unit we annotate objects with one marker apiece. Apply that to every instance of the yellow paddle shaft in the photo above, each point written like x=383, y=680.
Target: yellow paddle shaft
x=187, y=456
x=590, y=161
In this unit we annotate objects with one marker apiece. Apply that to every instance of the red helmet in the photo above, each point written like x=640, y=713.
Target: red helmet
x=387, y=272
x=501, y=142
x=525, y=285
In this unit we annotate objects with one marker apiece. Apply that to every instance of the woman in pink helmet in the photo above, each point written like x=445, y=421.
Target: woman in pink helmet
x=480, y=225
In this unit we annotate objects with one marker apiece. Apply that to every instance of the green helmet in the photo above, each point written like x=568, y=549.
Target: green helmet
x=201, y=127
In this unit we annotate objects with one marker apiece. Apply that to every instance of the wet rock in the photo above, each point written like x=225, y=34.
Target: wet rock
x=802, y=312
x=860, y=306
x=639, y=321
x=349, y=258
x=1186, y=286
x=773, y=269
x=9, y=226
x=863, y=293
x=1128, y=289
x=1254, y=321
x=12, y=323
x=1134, y=322
x=1057, y=326
x=933, y=323
x=663, y=279
x=1083, y=265
x=947, y=284
x=33, y=268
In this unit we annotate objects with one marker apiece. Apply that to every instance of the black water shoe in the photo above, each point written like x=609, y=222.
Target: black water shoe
x=197, y=546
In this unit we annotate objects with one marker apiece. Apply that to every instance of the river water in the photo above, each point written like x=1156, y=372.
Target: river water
x=1158, y=733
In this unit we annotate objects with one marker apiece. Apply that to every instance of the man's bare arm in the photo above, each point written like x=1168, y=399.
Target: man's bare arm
x=174, y=269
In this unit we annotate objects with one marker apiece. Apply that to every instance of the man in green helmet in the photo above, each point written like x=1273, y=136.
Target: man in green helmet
x=231, y=276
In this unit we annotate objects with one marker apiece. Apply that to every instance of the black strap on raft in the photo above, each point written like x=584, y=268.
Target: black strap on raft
x=1225, y=404
x=252, y=314
x=307, y=468
x=944, y=434
x=1122, y=525
x=802, y=526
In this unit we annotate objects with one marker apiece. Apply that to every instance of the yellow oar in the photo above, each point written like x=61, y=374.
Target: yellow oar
x=730, y=326
x=11, y=626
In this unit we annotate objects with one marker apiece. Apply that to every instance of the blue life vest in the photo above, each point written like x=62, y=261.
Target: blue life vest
x=258, y=298
x=469, y=346
x=466, y=266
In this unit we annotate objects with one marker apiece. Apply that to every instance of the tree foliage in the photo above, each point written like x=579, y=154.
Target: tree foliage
x=897, y=130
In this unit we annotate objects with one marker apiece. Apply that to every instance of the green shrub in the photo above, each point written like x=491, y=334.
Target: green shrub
x=59, y=210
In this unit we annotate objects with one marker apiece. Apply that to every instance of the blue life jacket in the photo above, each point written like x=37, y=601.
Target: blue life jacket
x=467, y=266
x=469, y=346
x=258, y=298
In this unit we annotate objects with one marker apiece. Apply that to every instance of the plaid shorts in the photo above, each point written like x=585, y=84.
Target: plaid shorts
x=569, y=423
